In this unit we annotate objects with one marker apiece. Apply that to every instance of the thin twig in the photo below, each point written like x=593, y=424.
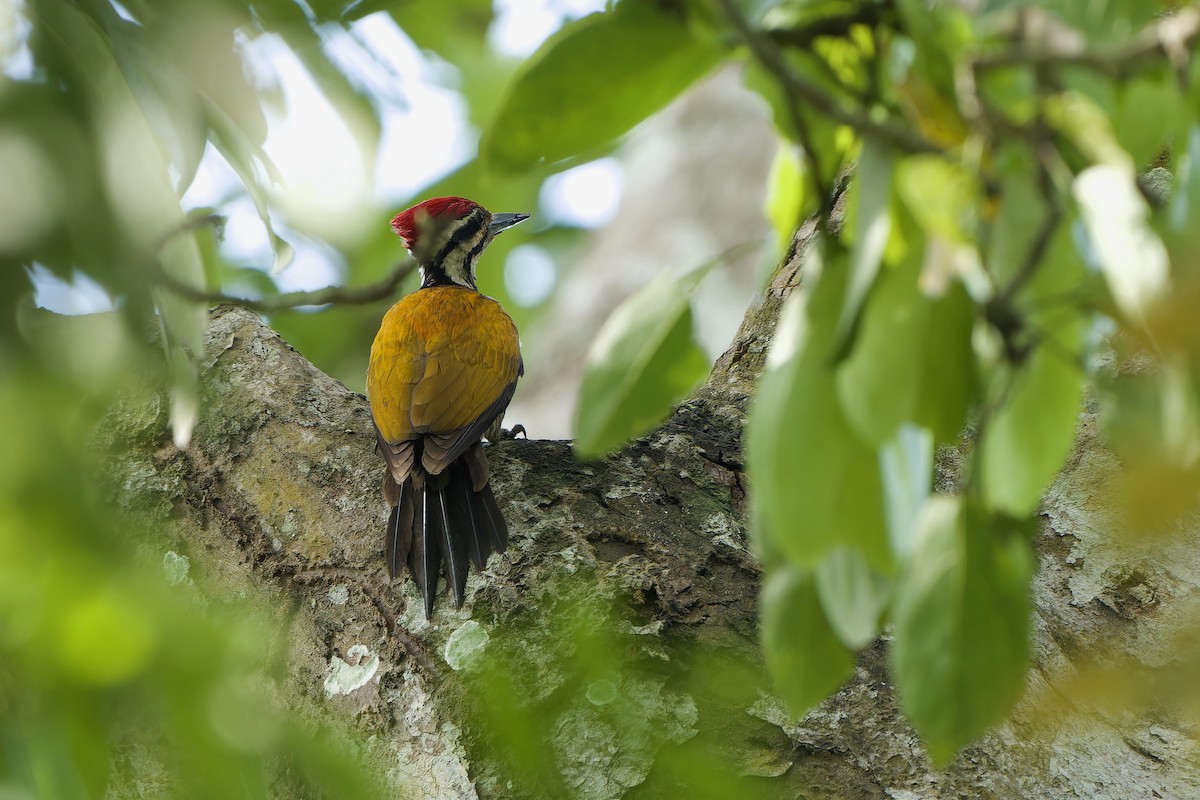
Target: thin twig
x=330, y=295
x=800, y=91
x=1041, y=242
x=834, y=25
x=1170, y=37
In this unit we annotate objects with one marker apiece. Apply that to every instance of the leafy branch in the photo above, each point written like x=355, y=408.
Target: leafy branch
x=766, y=51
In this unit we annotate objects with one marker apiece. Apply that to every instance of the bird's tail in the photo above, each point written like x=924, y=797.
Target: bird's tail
x=442, y=519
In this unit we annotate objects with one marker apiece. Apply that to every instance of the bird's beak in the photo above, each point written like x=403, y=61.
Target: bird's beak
x=502, y=222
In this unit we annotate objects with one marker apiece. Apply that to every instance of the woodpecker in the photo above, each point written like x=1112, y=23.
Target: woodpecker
x=443, y=369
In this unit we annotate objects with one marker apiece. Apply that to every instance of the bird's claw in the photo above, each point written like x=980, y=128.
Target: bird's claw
x=511, y=433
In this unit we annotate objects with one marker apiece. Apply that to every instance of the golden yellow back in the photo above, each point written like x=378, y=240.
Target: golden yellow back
x=443, y=357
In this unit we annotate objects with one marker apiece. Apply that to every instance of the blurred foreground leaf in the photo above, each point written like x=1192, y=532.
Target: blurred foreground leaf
x=643, y=361
x=816, y=483
x=806, y=660
x=962, y=624
x=593, y=81
x=113, y=669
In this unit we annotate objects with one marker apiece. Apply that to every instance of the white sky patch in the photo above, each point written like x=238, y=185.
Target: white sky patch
x=245, y=241
x=529, y=275
x=425, y=130
x=314, y=268
x=80, y=295
x=16, y=59
x=521, y=25
x=215, y=182
x=318, y=148
x=586, y=196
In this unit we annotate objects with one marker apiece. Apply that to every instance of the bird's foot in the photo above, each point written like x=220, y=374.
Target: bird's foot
x=511, y=433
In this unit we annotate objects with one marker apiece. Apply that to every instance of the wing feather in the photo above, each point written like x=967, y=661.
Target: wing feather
x=443, y=368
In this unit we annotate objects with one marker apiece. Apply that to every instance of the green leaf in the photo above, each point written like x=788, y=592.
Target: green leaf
x=1023, y=209
x=942, y=196
x=252, y=166
x=852, y=595
x=145, y=201
x=906, y=464
x=962, y=624
x=912, y=361
x=806, y=660
x=1150, y=111
x=816, y=483
x=787, y=201
x=828, y=149
x=644, y=360
x=1024, y=443
x=1081, y=119
x=592, y=82
x=1183, y=210
x=869, y=211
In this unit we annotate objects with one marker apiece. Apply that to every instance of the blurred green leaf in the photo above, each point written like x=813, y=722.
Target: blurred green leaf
x=912, y=361
x=135, y=169
x=1017, y=223
x=643, y=361
x=806, y=660
x=97, y=651
x=923, y=68
x=593, y=81
x=253, y=168
x=941, y=195
x=1183, y=210
x=906, y=465
x=1087, y=126
x=852, y=595
x=787, y=201
x=868, y=212
x=1151, y=111
x=1025, y=442
x=826, y=148
x=816, y=483
x=962, y=624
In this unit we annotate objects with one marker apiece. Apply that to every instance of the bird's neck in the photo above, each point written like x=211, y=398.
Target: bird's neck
x=453, y=270
x=453, y=262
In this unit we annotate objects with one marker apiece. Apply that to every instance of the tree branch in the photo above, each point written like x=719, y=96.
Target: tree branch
x=800, y=91
x=1171, y=37
x=330, y=295
x=833, y=25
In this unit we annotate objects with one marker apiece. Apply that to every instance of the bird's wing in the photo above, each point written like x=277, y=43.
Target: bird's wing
x=469, y=380
x=444, y=365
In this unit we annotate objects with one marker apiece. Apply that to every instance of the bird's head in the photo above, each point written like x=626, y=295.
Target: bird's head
x=447, y=235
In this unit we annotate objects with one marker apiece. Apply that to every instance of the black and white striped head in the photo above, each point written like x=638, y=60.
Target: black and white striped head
x=447, y=235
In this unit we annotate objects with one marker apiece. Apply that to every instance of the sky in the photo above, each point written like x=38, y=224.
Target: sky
x=420, y=114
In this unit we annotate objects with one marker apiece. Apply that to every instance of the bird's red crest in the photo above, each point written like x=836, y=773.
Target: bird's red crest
x=407, y=222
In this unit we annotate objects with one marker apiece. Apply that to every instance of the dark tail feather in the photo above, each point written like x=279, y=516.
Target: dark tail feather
x=453, y=540
x=485, y=502
x=477, y=534
x=445, y=521
x=423, y=559
x=399, y=536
